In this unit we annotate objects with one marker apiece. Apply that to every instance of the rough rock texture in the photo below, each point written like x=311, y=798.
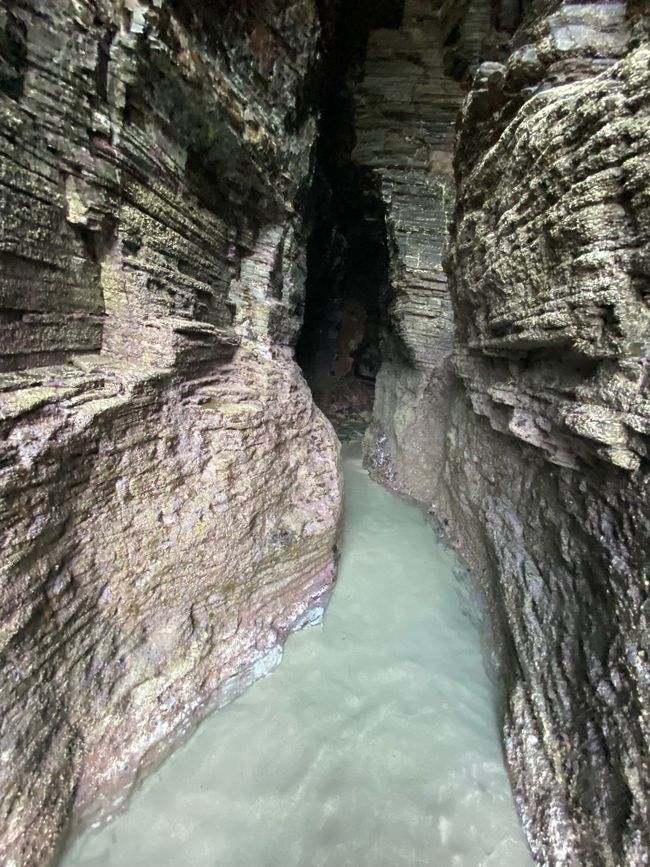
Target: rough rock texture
x=544, y=476
x=405, y=119
x=347, y=260
x=170, y=494
x=554, y=331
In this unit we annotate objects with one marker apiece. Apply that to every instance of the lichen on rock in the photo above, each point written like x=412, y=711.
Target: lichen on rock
x=170, y=493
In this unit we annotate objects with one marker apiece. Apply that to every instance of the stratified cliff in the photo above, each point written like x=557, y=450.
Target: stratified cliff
x=543, y=472
x=170, y=494
x=405, y=124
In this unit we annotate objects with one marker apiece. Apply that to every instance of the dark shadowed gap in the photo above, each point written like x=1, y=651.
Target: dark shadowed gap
x=347, y=254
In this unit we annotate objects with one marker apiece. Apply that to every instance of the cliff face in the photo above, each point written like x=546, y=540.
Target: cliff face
x=550, y=278
x=405, y=122
x=170, y=494
x=543, y=475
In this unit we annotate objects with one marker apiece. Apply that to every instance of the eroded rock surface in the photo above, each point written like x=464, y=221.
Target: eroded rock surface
x=170, y=494
x=554, y=328
x=544, y=478
x=405, y=124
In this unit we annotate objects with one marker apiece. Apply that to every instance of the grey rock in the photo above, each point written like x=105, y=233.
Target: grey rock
x=157, y=438
x=542, y=478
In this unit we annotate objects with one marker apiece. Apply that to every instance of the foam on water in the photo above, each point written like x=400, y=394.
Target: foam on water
x=375, y=744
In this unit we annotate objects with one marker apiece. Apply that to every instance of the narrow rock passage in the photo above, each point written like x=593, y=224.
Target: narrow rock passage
x=375, y=744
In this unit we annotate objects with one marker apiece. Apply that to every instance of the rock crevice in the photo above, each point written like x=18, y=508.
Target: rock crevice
x=444, y=204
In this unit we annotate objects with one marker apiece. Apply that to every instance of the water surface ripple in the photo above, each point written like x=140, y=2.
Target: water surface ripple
x=374, y=744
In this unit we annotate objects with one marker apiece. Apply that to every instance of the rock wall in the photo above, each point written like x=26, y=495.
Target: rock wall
x=550, y=278
x=543, y=479
x=405, y=123
x=170, y=494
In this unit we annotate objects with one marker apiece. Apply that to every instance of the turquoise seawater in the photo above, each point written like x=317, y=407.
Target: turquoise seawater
x=374, y=744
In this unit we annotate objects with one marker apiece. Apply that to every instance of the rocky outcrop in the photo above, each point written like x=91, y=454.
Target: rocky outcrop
x=554, y=332
x=170, y=494
x=543, y=482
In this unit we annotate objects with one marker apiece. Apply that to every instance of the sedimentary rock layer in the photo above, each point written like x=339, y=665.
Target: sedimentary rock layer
x=554, y=328
x=405, y=122
x=545, y=469
x=170, y=494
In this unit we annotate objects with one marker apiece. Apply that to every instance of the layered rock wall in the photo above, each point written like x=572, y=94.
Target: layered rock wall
x=550, y=279
x=543, y=479
x=170, y=494
x=405, y=124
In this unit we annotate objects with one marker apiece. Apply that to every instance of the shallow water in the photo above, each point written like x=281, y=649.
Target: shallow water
x=375, y=743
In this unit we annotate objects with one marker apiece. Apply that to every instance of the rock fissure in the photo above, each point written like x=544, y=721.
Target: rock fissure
x=428, y=218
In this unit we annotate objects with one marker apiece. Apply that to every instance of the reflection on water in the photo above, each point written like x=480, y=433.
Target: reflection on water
x=374, y=744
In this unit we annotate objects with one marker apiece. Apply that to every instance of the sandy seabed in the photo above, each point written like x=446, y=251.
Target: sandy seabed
x=375, y=744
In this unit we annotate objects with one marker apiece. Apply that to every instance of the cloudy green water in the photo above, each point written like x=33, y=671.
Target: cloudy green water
x=375, y=743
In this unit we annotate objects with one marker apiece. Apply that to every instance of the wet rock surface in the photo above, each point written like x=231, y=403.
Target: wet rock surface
x=554, y=334
x=543, y=482
x=170, y=494
x=376, y=742
x=406, y=109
